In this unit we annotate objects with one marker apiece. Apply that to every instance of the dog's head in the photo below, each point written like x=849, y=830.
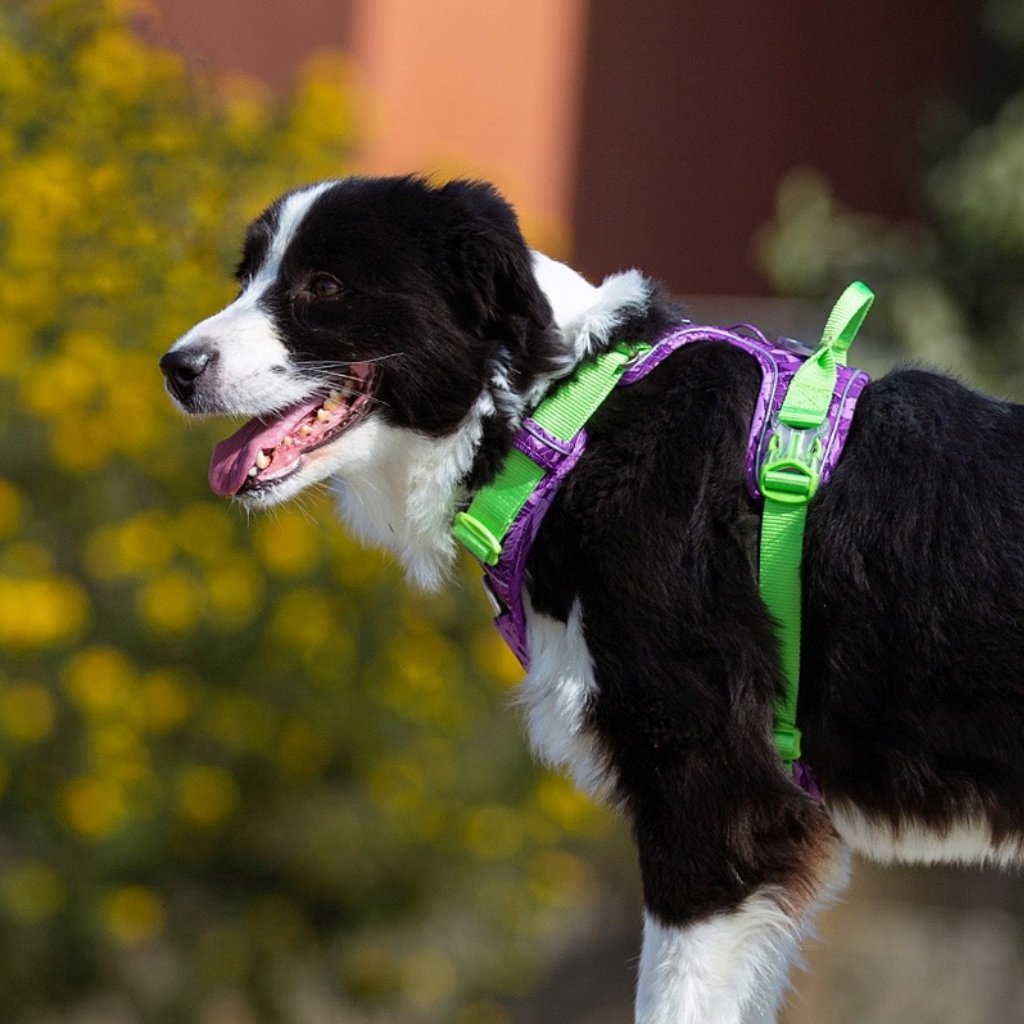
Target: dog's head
x=390, y=335
x=364, y=304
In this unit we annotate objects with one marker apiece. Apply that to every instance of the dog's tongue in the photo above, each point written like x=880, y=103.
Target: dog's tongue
x=234, y=456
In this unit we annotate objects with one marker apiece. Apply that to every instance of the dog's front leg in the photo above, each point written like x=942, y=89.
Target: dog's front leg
x=718, y=944
x=730, y=968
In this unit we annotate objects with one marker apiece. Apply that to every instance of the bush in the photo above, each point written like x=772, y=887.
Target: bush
x=245, y=775
x=951, y=288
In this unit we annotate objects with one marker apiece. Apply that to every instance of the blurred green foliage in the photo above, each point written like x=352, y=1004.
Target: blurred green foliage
x=245, y=775
x=950, y=287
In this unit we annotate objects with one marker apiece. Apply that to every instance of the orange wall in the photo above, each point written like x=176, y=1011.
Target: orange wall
x=453, y=87
x=464, y=86
x=656, y=131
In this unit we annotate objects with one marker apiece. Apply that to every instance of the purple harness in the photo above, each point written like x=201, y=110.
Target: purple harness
x=504, y=581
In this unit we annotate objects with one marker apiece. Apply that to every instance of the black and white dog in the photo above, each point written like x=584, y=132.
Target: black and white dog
x=389, y=336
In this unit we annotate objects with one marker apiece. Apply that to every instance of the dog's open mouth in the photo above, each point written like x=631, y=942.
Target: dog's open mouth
x=269, y=449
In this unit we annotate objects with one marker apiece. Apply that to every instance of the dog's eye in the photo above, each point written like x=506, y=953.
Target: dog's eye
x=324, y=286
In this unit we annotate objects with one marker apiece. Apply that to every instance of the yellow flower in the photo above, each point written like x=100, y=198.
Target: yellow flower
x=305, y=618
x=421, y=680
x=240, y=721
x=26, y=712
x=33, y=892
x=557, y=878
x=321, y=115
x=99, y=680
x=288, y=542
x=397, y=784
x=206, y=794
x=223, y=956
x=26, y=558
x=494, y=659
x=568, y=808
x=428, y=977
x=11, y=507
x=81, y=444
x=57, y=387
x=93, y=807
x=19, y=71
x=38, y=612
x=484, y=1011
x=276, y=920
x=162, y=700
x=117, y=65
x=246, y=102
x=171, y=603
x=369, y=972
x=234, y=589
x=494, y=832
x=204, y=530
x=133, y=914
x=303, y=750
x=15, y=342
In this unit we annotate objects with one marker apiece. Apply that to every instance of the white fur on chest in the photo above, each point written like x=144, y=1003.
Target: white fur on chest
x=558, y=693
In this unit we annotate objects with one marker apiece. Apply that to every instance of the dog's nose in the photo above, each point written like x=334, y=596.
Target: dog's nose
x=183, y=367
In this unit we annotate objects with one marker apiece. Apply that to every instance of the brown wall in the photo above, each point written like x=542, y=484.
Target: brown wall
x=268, y=39
x=693, y=111
x=656, y=131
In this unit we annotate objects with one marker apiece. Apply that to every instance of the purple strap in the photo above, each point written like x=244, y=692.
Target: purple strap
x=504, y=581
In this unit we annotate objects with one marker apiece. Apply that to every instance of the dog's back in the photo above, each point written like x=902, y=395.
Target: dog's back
x=913, y=689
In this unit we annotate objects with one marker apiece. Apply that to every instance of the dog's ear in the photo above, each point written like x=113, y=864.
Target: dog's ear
x=493, y=267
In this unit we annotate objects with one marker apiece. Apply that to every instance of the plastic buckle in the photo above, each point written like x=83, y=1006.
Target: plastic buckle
x=791, y=470
x=787, y=742
x=633, y=354
x=470, y=532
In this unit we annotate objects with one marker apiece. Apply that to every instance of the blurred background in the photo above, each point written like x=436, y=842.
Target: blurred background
x=248, y=777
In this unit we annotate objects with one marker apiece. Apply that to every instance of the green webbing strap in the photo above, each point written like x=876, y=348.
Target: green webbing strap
x=482, y=527
x=789, y=479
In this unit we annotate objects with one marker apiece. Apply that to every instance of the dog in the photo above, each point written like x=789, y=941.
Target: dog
x=390, y=335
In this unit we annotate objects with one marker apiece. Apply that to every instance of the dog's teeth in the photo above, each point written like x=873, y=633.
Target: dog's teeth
x=253, y=471
x=322, y=415
x=262, y=461
x=333, y=401
x=288, y=441
x=305, y=430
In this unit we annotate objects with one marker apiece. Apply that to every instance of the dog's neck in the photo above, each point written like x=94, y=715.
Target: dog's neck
x=404, y=494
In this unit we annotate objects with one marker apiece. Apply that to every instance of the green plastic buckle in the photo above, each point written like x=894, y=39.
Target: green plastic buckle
x=469, y=531
x=787, y=743
x=789, y=481
x=791, y=472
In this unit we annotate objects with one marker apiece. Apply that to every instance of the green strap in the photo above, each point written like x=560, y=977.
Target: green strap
x=482, y=527
x=789, y=479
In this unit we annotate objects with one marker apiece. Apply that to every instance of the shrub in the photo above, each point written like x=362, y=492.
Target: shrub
x=950, y=286
x=244, y=773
